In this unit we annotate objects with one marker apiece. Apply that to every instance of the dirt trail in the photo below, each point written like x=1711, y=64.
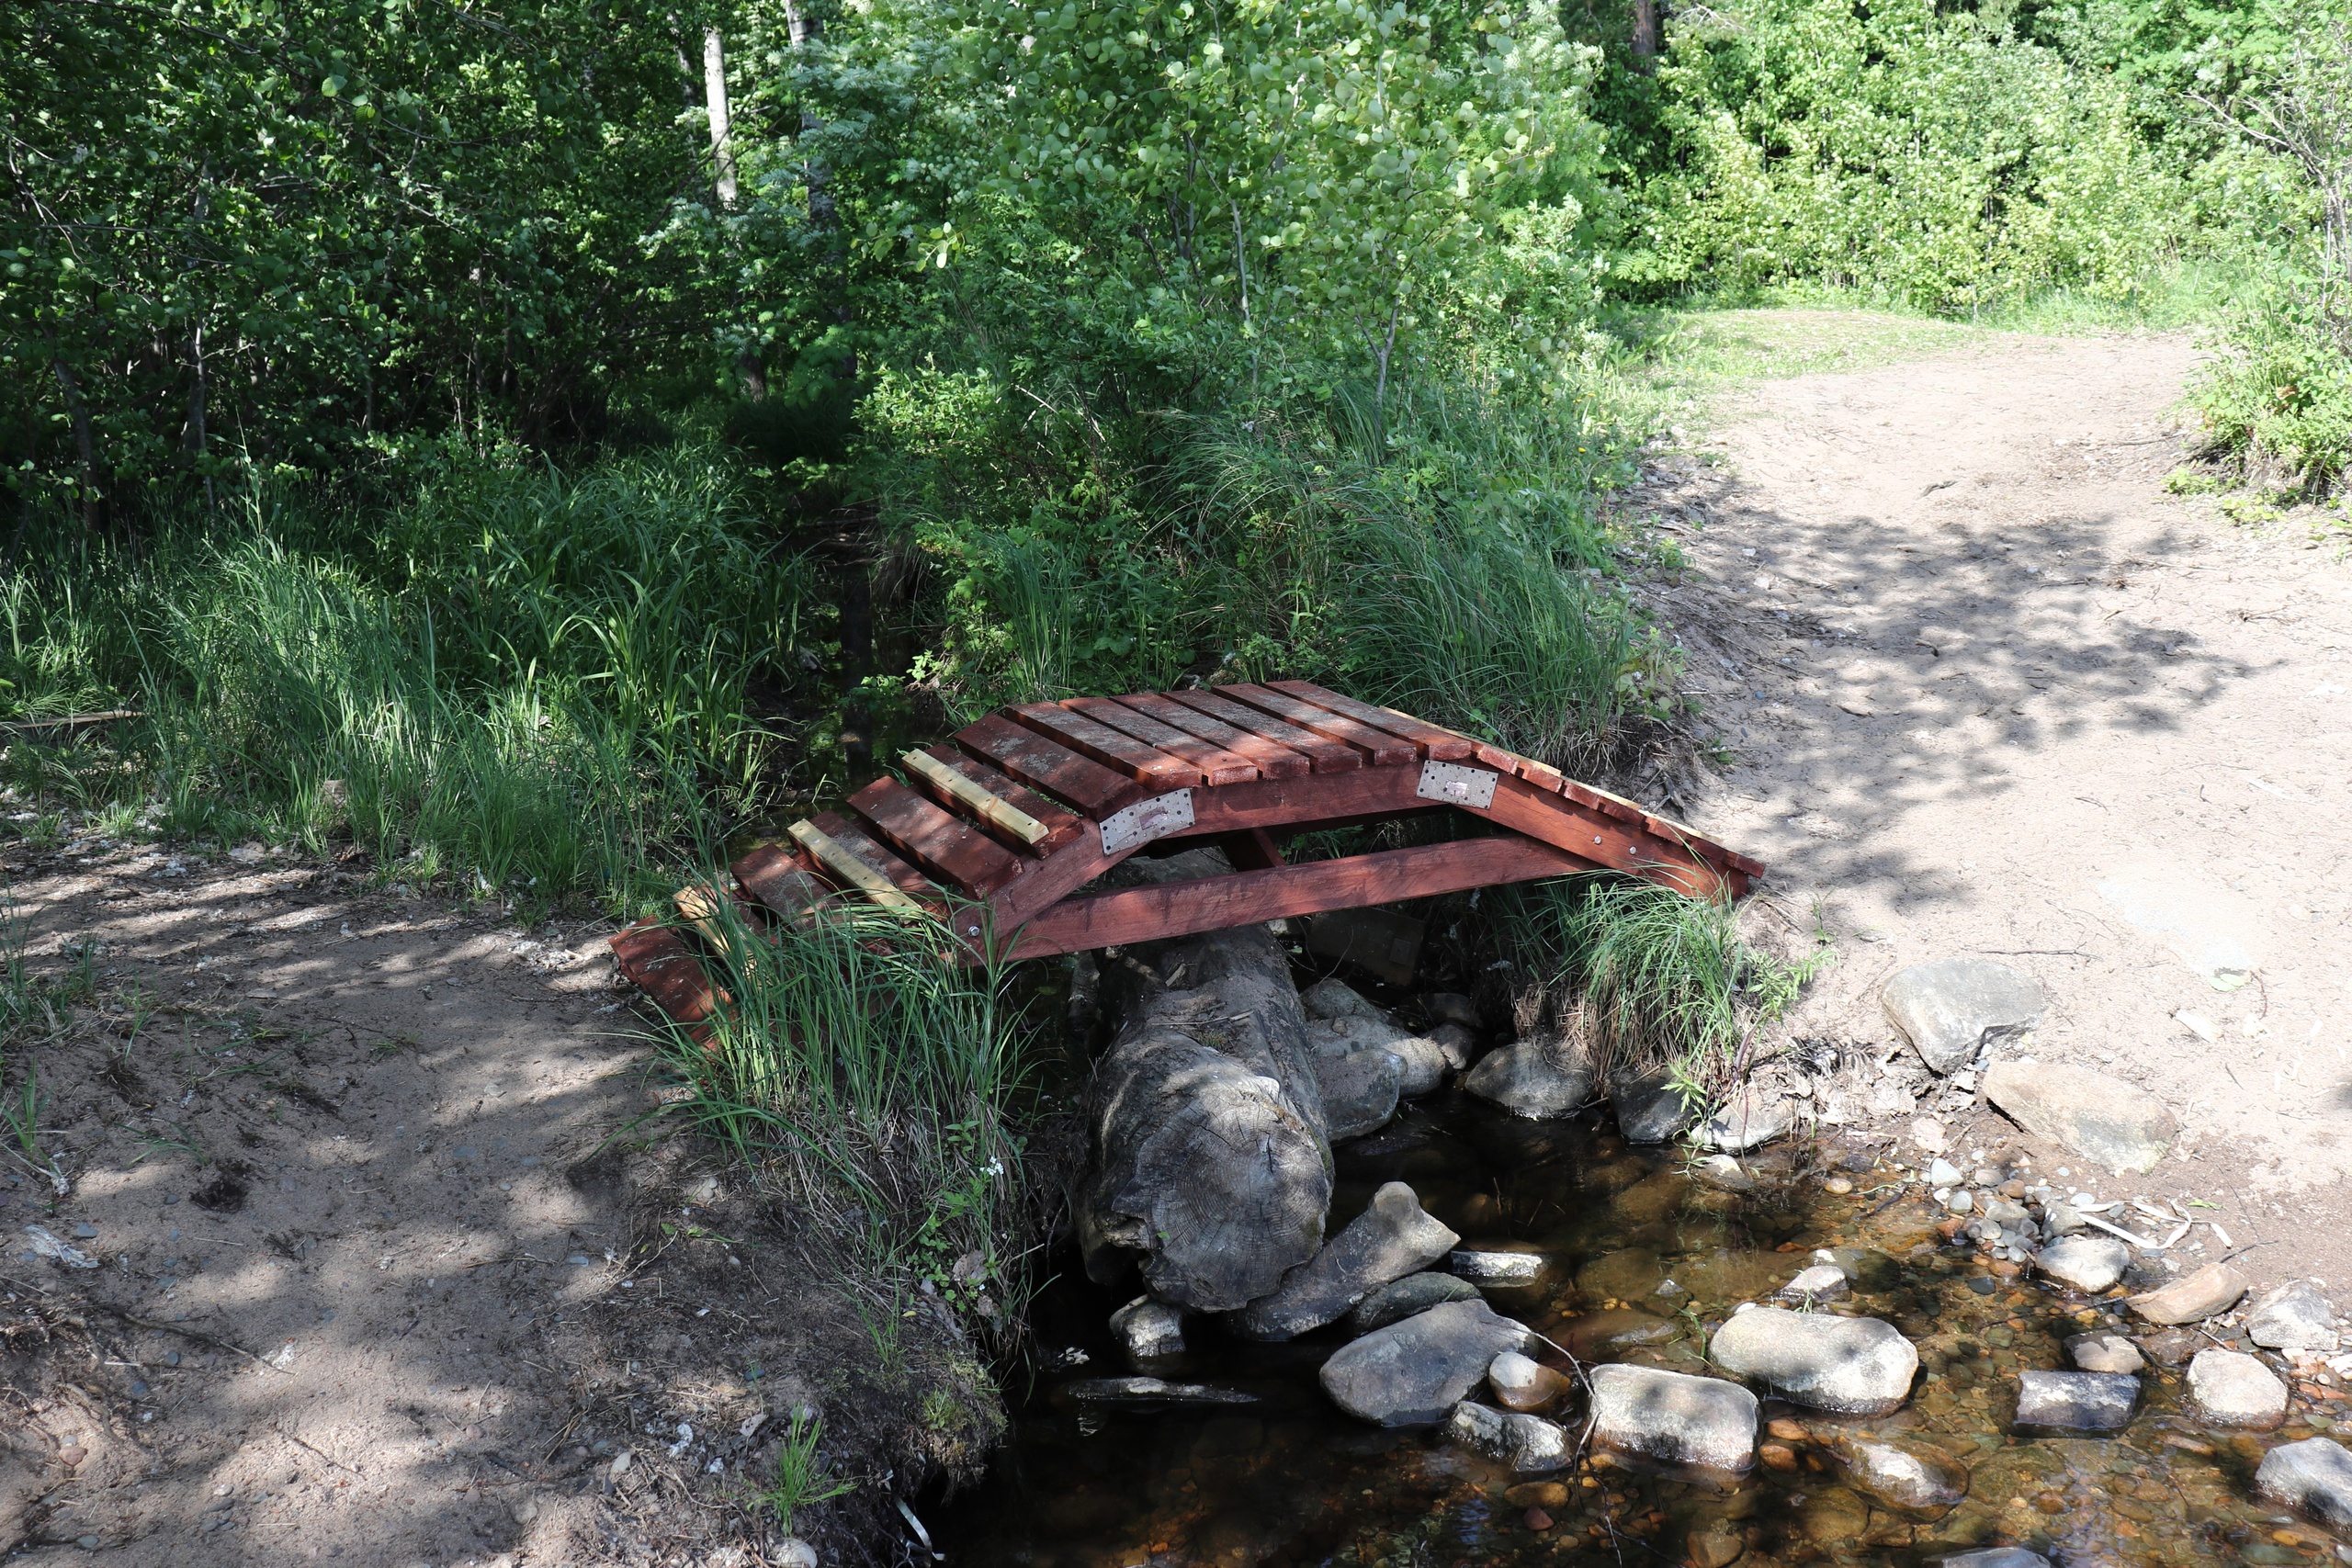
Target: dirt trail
x=385, y=1272
x=1994, y=692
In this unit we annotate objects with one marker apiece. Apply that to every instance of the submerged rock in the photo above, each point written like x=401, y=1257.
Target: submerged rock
x=1902, y=1475
x=1523, y=1384
x=1461, y=1046
x=1993, y=1557
x=1542, y=1077
x=1529, y=1444
x=2077, y=1401
x=1148, y=1331
x=2104, y=1353
x=2295, y=1316
x=1597, y=1334
x=1822, y=1282
x=1752, y=1116
x=1360, y=1090
x=1483, y=1267
x=2313, y=1476
x=1148, y=1392
x=1953, y=1008
x=2214, y=1287
x=1393, y=1238
x=2102, y=1118
x=2230, y=1388
x=1723, y=1174
x=1650, y=1109
x=2085, y=1263
x=1412, y=1373
x=1856, y=1366
x=1404, y=1298
x=1673, y=1417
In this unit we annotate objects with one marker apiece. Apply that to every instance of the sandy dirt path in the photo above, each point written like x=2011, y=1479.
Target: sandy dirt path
x=1993, y=692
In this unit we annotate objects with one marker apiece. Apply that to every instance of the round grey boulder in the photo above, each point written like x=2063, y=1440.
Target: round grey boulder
x=2089, y=1264
x=1854, y=1366
x=2295, y=1316
x=2230, y=1388
x=1953, y=1008
x=1673, y=1417
x=1413, y=1373
x=2313, y=1476
x=1542, y=1077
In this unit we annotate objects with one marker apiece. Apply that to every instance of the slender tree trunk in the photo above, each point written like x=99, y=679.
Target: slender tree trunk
x=85, y=441
x=1645, y=35
x=714, y=103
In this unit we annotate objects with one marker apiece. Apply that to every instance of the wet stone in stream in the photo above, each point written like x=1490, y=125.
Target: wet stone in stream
x=1291, y=1479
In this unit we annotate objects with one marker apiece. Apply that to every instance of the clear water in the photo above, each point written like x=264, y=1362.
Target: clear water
x=1292, y=1481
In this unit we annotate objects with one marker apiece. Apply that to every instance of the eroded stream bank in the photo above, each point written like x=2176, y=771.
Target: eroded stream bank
x=1642, y=1260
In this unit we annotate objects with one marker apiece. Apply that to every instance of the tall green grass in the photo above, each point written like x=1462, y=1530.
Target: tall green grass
x=530, y=682
x=876, y=1081
x=1651, y=978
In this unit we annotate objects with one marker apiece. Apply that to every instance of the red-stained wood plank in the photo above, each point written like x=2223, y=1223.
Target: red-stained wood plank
x=1379, y=747
x=1663, y=827
x=1328, y=756
x=1155, y=770
x=1436, y=743
x=1217, y=765
x=783, y=879
x=1274, y=760
x=1253, y=849
x=654, y=959
x=1142, y=914
x=1282, y=803
x=946, y=847
x=1608, y=842
x=853, y=838
x=1065, y=824
x=1094, y=789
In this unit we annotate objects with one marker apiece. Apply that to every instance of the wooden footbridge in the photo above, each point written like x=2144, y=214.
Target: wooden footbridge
x=1000, y=830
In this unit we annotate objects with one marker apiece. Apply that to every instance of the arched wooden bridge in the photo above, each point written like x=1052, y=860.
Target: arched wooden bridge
x=999, y=828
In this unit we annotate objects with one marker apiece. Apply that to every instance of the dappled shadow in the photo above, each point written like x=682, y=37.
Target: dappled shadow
x=365, y=1290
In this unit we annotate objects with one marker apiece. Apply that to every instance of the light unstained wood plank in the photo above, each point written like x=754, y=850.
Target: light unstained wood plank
x=1272, y=759
x=1062, y=825
x=1218, y=766
x=945, y=847
x=1155, y=770
x=1094, y=790
x=1328, y=756
x=1214, y=903
x=1436, y=742
x=1379, y=747
x=850, y=855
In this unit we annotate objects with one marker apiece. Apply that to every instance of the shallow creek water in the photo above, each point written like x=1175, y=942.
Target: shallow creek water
x=1289, y=1479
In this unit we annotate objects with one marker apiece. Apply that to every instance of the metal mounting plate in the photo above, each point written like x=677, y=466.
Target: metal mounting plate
x=1456, y=785
x=1147, y=820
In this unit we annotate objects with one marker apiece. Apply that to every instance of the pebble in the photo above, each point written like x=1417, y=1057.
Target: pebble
x=1537, y=1519
x=1715, y=1549
x=1537, y=1495
x=1943, y=1173
x=1522, y=1384
x=1837, y=1186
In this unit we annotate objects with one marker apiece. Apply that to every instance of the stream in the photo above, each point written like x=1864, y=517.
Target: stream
x=1644, y=1260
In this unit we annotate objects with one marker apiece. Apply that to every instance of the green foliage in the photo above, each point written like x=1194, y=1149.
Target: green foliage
x=1923, y=157
x=800, y=1478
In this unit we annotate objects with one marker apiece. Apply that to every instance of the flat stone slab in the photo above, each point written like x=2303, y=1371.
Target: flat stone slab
x=2192, y=1297
x=2077, y=1401
x=1822, y=1282
x=2122, y=1126
x=2089, y=1264
x=1855, y=1366
x=1482, y=1267
x=1393, y=1238
x=1954, y=1007
x=1673, y=1417
x=2230, y=1388
x=1751, y=1117
x=2313, y=1476
x=1412, y=1373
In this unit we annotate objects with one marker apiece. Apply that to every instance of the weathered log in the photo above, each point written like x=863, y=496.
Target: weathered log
x=1212, y=1155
